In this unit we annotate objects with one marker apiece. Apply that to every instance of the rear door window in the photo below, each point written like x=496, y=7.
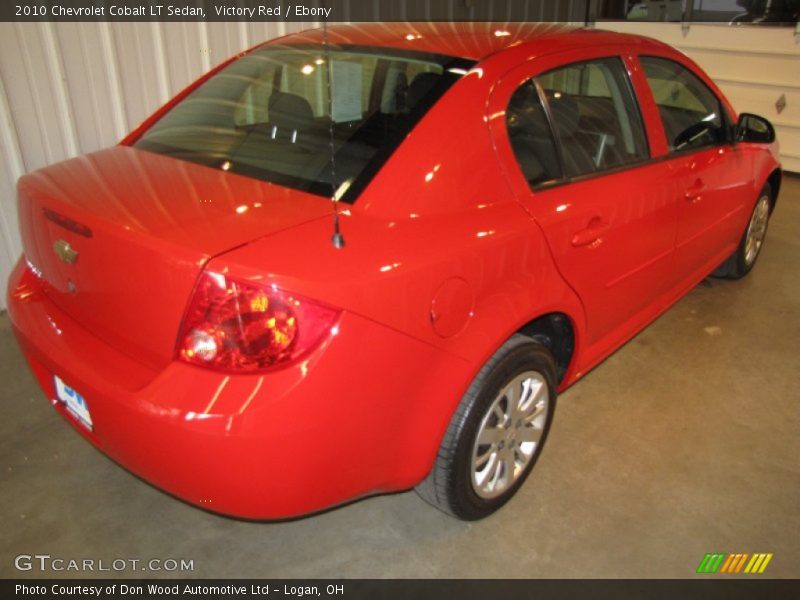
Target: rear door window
x=574, y=121
x=595, y=116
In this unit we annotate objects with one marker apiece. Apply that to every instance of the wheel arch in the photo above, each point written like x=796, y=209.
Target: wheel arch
x=774, y=180
x=557, y=332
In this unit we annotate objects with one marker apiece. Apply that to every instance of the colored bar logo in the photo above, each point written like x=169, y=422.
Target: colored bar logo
x=731, y=564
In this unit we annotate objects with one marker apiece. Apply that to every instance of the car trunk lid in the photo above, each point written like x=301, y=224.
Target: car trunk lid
x=120, y=235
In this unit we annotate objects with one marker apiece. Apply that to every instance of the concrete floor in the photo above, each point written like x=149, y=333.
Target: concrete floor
x=686, y=441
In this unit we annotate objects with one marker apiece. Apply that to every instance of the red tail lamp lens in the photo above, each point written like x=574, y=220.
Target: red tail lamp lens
x=235, y=325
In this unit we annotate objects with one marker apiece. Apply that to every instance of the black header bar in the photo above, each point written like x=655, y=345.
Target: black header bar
x=293, y=10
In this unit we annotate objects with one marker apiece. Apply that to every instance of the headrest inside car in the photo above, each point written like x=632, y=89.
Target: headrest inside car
x=419, y=88
x=290, y=112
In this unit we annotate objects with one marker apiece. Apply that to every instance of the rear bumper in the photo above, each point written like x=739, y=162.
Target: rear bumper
x=363, y=414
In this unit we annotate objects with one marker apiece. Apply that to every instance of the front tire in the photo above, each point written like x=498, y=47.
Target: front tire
x=742, y=261
x=496, y=434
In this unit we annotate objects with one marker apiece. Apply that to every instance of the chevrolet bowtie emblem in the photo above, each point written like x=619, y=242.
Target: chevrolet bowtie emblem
x=65, y=252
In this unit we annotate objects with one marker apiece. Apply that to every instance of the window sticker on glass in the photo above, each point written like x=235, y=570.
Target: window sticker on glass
x=346, y=77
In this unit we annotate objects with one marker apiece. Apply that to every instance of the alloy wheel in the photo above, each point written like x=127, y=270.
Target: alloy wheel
x=756, y=230
x=509, y=434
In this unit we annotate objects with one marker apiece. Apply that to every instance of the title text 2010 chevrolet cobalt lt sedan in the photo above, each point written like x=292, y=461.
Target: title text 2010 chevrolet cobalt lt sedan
x=514, y=202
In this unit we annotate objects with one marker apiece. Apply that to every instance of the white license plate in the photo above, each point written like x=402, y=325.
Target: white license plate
x=73, y=402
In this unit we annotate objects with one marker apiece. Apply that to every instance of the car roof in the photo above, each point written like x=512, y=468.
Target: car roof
x=473, y=41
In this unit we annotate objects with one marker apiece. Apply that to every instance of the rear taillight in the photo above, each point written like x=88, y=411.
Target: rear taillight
x=235, y=325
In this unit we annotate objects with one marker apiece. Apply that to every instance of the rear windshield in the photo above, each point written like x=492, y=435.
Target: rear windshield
x=269, y=115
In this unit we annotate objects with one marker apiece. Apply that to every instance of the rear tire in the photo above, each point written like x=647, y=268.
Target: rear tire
x=743, y=259
x=496, y=434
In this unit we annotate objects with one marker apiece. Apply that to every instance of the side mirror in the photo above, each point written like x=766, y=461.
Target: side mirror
x=754, y=129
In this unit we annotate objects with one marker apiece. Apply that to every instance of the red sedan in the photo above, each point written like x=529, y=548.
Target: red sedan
x=325, y=271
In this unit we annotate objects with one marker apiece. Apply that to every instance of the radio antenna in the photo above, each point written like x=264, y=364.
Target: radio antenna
x=338, y=239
